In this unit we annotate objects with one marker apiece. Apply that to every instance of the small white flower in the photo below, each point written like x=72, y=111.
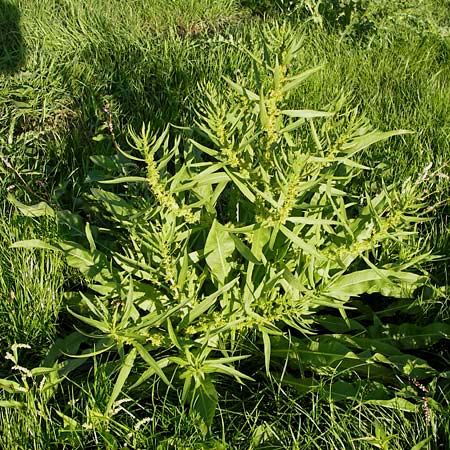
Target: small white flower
x=42, y=383
x=117, y=407
x=10, y=357
x=23, y=370
x=14, y=347
x=141, y=423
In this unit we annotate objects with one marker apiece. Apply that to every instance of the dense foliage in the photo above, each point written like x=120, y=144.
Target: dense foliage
x=236, y=258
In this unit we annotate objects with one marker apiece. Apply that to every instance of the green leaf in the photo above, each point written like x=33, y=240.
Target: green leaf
x=262, y=110
x=68, y=422
x=172, y=335
x=102, y=326
x=129, y=307
x=303, y=386
x=212, y=366
x=114, y=204
x=244, y=250
x=39, y=210
x=89, y=236
x=267, y=350
x=203, y=148
x=124, y=180
x=241, y=185
x=205, y=402
x=154, y=320
x=219, y=247
x=422, y=444
x=11, y=386
x=12, y=404
x=121, y=379
x=299, y=242
x=99, y=137
x=294, y=81
x=90, y=263
x=342, y=390
x=260, y=238
x=43, y=370
x=339, y=325
x=326, y=354
x=306, y=113
x=155, y=366
x=161, y=364
x=361, y=142
x=69, y=345
x=412, y=366
x=387, y=282
x=292, y=127
x=34, y=243
x=398, y=403
x=323, y=351
x=241, y=90
x=408, y=336
x=204, y=305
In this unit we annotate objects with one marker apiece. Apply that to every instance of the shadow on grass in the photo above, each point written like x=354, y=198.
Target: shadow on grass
x=12, y=49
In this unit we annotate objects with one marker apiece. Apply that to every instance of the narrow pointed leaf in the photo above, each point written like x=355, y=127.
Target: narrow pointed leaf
x=241, y=90
x=295, y=81
x=306, y=113
x=121, y=379
x=34, y=243
x=155, y=366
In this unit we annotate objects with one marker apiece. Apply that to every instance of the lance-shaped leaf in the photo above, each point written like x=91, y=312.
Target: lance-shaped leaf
x=205, y=402
x=205, y=304
x=242, y=90
x=114, y=204
x=219, y=247
x=263, y=117
x=12, y=404
x=125, y=180
x=121, y=379
x=361, y=142
x=387, y=282
x=34, y=243
x=326, y=355
x=408, y=336
x=294, y=81
x=305, y=113
x=398, y=403
x=155, y=367
x=39, y=210
x=93, y=263
x=11, y=386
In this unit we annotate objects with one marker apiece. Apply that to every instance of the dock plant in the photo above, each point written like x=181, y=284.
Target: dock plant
x=237, y=247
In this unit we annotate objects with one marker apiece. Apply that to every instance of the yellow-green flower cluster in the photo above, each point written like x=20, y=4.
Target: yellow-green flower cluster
x=272, y=117
x=286, y=208
x=165, y=199
x=157, y=339
x=232, y=158
x=369, y=242
x=207, y=323
x=274, y=98
x=169, y=273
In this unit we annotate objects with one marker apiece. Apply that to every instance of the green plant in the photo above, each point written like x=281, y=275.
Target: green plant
x=243, y=228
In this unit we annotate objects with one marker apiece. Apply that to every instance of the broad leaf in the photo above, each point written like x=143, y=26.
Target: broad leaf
x=205, y=402
x=219, y=247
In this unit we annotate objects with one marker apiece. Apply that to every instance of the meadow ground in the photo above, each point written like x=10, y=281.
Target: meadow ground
x=67, y=68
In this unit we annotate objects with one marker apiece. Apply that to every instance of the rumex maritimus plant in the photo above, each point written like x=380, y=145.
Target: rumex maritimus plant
x=243, y=226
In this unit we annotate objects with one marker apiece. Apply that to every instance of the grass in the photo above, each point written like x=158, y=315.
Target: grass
x=60, y=63
x=31, y=283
